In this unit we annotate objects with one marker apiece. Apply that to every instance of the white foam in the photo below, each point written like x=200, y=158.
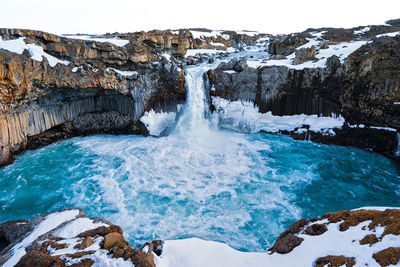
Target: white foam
x=37, y=53
x=156, y=123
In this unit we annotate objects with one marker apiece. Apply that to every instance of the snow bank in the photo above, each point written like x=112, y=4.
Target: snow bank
x=156, y=123
x=195, y=252
x=51, y=222
x=122, y=72
x=341, y=50
x=114, y=40
x=36, y=51
x=76, y=227
x=389, y=34
x=204, y=34
x=245, y=117
x=193, y=52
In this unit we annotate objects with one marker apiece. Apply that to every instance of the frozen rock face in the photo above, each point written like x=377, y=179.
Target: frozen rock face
x=69, y=238
x=363, y=87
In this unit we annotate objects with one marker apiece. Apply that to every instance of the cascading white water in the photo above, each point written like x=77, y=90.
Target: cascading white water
x=398, y=145
x=193, y=119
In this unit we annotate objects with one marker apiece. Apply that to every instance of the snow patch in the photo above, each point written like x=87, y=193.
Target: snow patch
x=204, y=34
x=362, y=31
x=230, y=71
x=51, y=222
x=78, y=226
x=193, y=52
x=384, y=128
x=113, y=40
x=36, y=51
x=122, y=72
x=389, y=34
x=156, y=123
x=245, y=117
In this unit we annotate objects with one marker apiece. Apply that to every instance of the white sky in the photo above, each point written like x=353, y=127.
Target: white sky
x=277, y=16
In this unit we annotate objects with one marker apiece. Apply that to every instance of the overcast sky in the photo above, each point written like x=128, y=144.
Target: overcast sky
x=277, y=16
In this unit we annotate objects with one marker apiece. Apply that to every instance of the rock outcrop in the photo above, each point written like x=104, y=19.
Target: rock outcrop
x=364, y=88
x=68, y=238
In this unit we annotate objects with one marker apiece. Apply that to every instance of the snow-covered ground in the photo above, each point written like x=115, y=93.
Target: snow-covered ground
x=37, y=53
x=113, y=40
x=196, y=252
x=244, y=116
x=341, y=50
x=51, y=222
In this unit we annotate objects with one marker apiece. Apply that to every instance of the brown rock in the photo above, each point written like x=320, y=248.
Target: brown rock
x=85, y=243
x=80, y=254
x=316, y=229
x=84, y=263
x=369, y=239
x=333, y=261
x=37, y=258
x=387, y=256
x=101, y=231
x=304, y=54
x=287, y=240
x=112, y=239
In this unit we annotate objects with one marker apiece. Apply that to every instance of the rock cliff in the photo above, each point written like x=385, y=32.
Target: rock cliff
x=363, y=87
x=54, y=87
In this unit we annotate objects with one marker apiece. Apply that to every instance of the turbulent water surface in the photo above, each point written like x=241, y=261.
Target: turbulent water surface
x=199, y=181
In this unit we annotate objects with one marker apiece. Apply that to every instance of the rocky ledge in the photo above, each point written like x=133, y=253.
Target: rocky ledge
x=362, y=237
x=347, y=73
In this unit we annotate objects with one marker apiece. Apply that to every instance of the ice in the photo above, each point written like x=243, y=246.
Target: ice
x=37, y=53
x=245, y=117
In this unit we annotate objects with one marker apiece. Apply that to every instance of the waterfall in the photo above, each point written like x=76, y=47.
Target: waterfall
x=193, y=119
x=398, y=145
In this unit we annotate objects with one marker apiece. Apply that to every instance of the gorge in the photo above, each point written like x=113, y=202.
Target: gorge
x=217, y=164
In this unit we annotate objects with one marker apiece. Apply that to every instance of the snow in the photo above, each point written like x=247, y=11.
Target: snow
x=384, y=128
x=122, y=72
x=167, y=56
x=196, y=252
x=37, y=53
x=245, y=117
x=156, y=123
x=249, y=33
x=362, y=31
x=114, y=40
x=217, y=44
x=341, y=50
x=75, y=69
x=193, y=52
x=377, y=208
x=205, y=34
x=51, y=221
x=396, y=103
x=230, y=71
x=77, y=226
x=389, y=34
